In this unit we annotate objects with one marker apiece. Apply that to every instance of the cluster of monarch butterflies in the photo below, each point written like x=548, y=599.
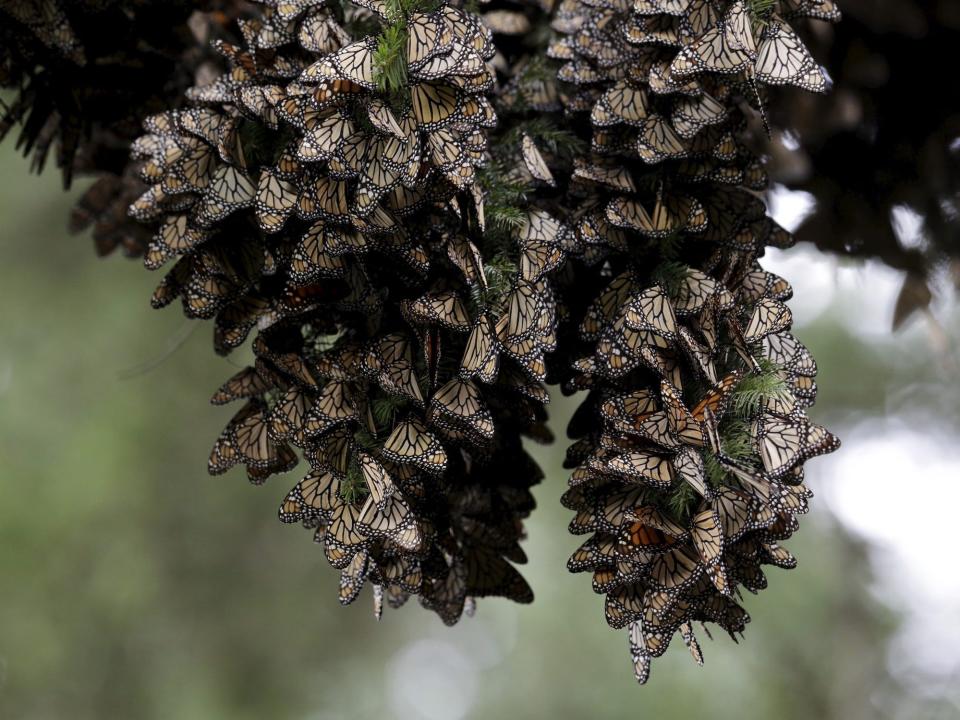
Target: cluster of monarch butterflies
x=689, y=452
x=399, y=348
x=558, y=194
x=80, y=77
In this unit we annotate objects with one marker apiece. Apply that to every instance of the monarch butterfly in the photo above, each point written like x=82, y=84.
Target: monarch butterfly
x=785, y=350
x=332, y=407
x=342, y=538
x=352, y=577
x=534, y=162
x=677, y=569
x=658, y=631
x=353, y=62
x=223, y=456
x=425, y=38
x=313, y=498
x=459, y=401
x=656, y=7
x=783, y=442
x=488, y=574
x=758, y=284
x=446, y=595
x=817, y=9
x=247, y=438
x=658, y=141
x=728, y=48
x=403, y=572
x=602, y=310
x=411, y=442
x=465, y=255
x=287, y=417
x=688, y=428
x=506, y=22
x=379, y=484
x=659, y=30
x=707, y=536
x=481, y=358
x=312, y=258
x=773, y=554
x=622, y=103
x=326, y=198
x=626, y=213
x=247, y=383
x=444, y=308
x=192, y=172
x=644, y=467
x=275, y=201
x=391, y=363
x=690, y=640
x=652, y=310
x=315, y=34
x=733, y=509
x=623, y=605
x=523, y=303
x=691, y=115
x=747, y=572
x=648, y=531
x=784, y=526
x=613, y=176
x=325, y=133
x=434, y=104
x=229, y=190
x=394, y=521
x=783, y=59
x=177, y=236
x=725, y=612
x=598, y=550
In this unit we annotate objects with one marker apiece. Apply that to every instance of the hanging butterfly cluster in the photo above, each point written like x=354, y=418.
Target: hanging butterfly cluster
x=382, y=307
x=82, y=76
x=406, y=206
x=691, y=441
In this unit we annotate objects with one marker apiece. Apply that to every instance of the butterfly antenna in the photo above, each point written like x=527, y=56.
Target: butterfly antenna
x=763, y=113
x=174, y=344
x=712, y=434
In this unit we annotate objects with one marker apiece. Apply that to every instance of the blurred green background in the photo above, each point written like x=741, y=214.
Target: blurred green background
x=132, y=585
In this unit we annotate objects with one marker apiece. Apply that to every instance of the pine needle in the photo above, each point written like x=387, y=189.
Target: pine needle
x=354, y=487
x=670, y=274
x=386, y=408
x=760, y=10
x=756, y=389
x=682, y=501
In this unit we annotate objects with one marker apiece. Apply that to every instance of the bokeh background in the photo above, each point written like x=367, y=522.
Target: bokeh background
x=132, y=585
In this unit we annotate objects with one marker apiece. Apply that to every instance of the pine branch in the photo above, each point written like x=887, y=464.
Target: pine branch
x=756, y=389
x=670, y=274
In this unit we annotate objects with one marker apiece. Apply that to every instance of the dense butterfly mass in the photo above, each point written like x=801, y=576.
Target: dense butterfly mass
x=419, y=214
x=689, y=447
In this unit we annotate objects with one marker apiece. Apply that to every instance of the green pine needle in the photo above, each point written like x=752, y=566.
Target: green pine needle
x=715, y=472
x=386, y=408
x=390, y=59
x=736, y=443
x=682, y=502
x=670, y=274
x=760, y=9
x=758, y=388
x=354, y=487
x=505, y=217
x=500, y=273
x=547, y=136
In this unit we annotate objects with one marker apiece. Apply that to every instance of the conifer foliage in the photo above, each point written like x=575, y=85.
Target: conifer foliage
x=419, y=213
